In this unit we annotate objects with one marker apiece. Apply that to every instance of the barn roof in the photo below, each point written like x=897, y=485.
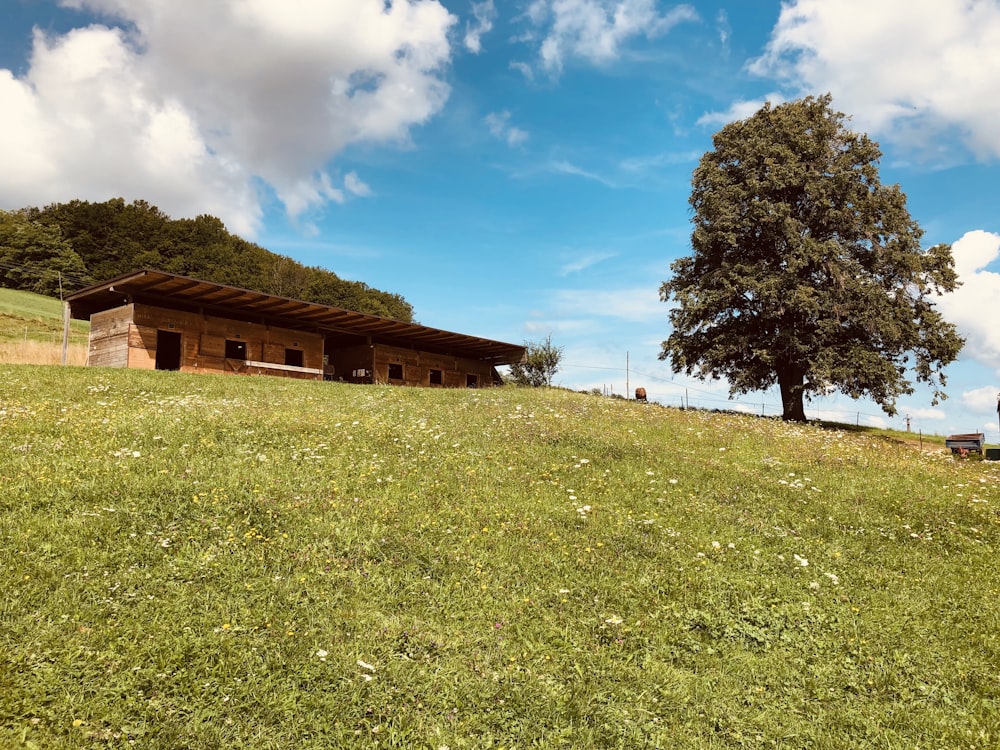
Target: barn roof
x=170, y=290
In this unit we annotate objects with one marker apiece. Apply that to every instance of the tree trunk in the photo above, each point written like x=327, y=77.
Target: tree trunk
x=791, y=383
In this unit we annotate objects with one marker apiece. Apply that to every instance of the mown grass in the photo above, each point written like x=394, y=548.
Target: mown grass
x=212, y=561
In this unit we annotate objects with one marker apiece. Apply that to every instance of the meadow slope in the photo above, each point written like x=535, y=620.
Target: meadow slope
x=212, y=561
x=31, y=330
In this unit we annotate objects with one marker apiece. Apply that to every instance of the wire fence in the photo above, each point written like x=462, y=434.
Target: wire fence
x=665, y=391
x=70, y=281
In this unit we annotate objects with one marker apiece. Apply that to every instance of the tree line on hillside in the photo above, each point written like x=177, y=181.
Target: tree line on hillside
x=66, y=246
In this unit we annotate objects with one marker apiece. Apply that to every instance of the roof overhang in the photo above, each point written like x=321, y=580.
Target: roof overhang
x=181, y=292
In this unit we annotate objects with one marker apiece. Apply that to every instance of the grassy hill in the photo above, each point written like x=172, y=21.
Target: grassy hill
x=212, y=561
x=31, y=330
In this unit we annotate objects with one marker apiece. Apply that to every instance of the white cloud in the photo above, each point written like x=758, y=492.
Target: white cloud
x=905, y=69
x=981, y=399
x=662, y=159
x=198, y=104
x=641, y=304
x=596, y=31
x=979, y=292
x=541, y=327
x=483, y=14
x=356, y=186
x=585, y=261
x=524, y=69
x=739, y=110
x=500, y=127
x=923, y=413
x=725, y=30
x=562, y=166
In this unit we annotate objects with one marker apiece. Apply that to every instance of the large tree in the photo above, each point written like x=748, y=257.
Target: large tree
x=807, y=271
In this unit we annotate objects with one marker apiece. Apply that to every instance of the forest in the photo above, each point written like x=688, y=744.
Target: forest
x=66, y=246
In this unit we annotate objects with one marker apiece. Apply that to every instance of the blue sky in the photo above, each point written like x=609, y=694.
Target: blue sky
x=514, y=168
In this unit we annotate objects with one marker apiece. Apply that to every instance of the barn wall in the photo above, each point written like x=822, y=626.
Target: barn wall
x=417, y=367
x=203, y=342
x=109, y=337
x=127, y=337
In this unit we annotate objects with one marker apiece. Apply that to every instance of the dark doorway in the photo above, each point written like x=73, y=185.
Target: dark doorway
x=168, y=350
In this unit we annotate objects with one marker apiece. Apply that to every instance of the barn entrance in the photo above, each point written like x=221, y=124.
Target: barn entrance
x=168, y=350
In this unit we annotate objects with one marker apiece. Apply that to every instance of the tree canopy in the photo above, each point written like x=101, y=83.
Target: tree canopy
x=540, y=363
x=36, y=258
x=114, y=237
x=806, y=271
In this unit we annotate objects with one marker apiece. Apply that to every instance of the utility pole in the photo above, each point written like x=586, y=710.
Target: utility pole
x=65, y=306
x=907, y=422
x=628, y=393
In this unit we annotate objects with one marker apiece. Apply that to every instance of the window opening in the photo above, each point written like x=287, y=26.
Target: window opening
x=436, y=377
x=293, y=357
x=236, y=349
x=395, y=372
x=471, y=381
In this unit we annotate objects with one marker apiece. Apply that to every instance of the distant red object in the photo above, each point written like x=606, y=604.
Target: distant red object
x=640, y=394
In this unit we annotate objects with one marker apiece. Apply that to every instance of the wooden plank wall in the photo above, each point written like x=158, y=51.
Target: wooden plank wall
x=417, y=368
x=126, y=337
x=109, y=337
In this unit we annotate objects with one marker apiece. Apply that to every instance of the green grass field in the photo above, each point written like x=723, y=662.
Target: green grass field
x=212, y=561
x=32, y=317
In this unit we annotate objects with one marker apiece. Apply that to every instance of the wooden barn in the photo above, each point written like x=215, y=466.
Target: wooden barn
x=156, y=320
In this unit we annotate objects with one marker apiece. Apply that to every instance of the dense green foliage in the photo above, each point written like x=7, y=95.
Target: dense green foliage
x=206, y=561
x=35, y=257
x=540, y=363
x=115, y=237
x=807, y=271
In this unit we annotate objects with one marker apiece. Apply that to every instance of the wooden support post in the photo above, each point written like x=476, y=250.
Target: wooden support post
x=65, y=341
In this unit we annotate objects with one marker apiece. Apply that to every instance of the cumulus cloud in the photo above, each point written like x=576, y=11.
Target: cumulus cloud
x=979, y=291
x=596, y=31
x=193, y=106
x=903, y=69
x=500, y=127
x=483, y=16
x=981, y=399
